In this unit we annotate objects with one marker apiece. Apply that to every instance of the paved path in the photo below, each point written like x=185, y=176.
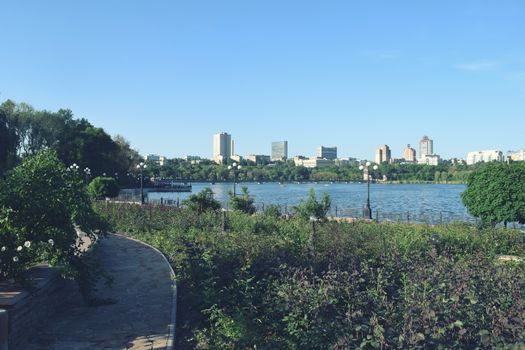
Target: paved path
x=139, y=319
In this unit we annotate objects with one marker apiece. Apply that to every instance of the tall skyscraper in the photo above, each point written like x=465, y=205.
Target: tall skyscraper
x=383, y=154
x=409, y=154
x=279, y=150
x=426, y=147
x=327, y=152
x=222, y=147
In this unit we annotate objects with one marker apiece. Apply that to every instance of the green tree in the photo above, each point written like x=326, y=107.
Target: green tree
x=242, y=202
x=102, y=187
x=313, y=208
x=496, y=193
x=8, y=140
x=202, y=201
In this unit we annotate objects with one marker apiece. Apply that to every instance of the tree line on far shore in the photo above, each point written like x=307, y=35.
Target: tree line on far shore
x=24, y=131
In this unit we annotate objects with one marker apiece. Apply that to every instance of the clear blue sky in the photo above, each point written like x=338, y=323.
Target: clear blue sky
x=356, y=74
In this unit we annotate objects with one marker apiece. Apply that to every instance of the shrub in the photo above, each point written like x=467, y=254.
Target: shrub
x=272, y=211
x=496, y=193
x=202, y=201
x=103, y=187
x=243, y=203
x=40, y=205
x=313, y=208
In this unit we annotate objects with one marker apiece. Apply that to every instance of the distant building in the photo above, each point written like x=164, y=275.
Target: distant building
x=236, y=158
x=160, y=160
x=383, y=154
x=313, y=162
x=258, y=158
x=485, y=156
x=279, y=150
x=426, y=147
x=327, y=152
x=345, y=161
x=457, y=161
x=518, y=156
x=409, y=154
x=429, y=159
x=222, y=147
x=397, y=161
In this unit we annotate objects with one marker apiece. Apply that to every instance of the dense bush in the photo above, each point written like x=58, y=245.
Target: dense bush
x=312, y=208
x=103, y=187
x=496, y=193
x=264, y=285
x=243, y=202
x=202, y=201
x=40, y=205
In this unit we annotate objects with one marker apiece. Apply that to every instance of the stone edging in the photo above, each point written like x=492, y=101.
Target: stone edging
x=170, y=343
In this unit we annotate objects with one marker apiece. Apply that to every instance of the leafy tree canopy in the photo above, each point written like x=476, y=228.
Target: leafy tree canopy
x=496, y=193
x=103, y=187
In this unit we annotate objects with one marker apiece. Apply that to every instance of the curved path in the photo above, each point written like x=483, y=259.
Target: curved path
x=140, y=318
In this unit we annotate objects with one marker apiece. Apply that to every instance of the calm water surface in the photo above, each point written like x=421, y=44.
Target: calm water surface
x=417, y=202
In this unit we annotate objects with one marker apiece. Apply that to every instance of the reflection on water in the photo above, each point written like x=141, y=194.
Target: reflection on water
x=389, y=201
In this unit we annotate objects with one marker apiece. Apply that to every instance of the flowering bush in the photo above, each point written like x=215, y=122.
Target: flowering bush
x=41, y=202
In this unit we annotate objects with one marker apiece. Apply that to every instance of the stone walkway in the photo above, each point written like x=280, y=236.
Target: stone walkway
x=139, y=318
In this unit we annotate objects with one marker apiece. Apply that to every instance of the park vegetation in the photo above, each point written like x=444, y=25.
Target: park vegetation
x=496, y=193
x=42, y=206
x=267, y=281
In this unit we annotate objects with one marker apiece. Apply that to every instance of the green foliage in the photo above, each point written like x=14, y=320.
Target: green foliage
x=41, y=204
x=103, y=187
x=313, y=208
x=8, y=138
x=365, y=285
x=74, y=140
x=243, y=202
x=202, y=201
x=272, y=211
x=496, y=193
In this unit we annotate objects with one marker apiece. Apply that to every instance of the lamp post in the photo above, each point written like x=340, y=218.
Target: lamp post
x=87, y=171
x=235, y=167
x=141, y=166
x=367, y=211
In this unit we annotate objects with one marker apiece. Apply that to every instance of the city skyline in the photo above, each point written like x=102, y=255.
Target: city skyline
x=355, y=75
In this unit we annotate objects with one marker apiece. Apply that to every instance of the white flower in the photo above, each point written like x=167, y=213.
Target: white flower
x=19, y=248
x=3, y=249
x=15, y=258
x=27, y=244
x=51, y=242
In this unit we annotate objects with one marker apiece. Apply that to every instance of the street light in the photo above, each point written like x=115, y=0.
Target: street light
x=367, y=211
x=73, y=167
x=141, y=166
x=87, y=171
x=235, y=168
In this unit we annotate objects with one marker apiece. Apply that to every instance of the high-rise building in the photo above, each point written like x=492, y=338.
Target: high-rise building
x=383, y=154
x=222, y=147
x=327, y=152
x=409, y=154
x=279, y=150
x=426, y=147
x=485, y=156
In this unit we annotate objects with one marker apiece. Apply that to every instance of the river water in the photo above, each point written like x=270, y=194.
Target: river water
x=398, y=202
